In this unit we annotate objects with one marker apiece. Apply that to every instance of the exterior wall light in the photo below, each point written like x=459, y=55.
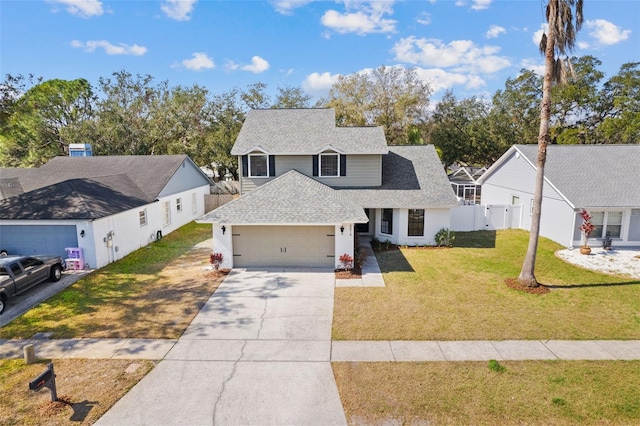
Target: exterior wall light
x=342, y=230
x=224, y=229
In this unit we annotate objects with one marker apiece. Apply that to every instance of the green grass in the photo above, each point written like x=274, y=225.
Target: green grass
x=523, y=392
x=460, y=294
x=136, y=296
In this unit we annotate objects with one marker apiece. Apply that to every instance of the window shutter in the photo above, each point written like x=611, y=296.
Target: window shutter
x=314, y=162
x=343, y=165
x=245, y=165
x=272, y=165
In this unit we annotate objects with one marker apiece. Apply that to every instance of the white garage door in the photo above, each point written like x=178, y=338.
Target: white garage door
x=311, y=246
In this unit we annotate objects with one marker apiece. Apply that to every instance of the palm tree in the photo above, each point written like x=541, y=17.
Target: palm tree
x=557, y=41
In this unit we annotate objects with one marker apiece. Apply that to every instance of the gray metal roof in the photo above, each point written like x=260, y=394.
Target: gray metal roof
x=304, y=132
x=412, y=177
x=292, y=198
x=592, y=175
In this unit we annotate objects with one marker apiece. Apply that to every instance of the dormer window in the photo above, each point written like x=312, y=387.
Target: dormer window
x=329, y=165
x=258, y=165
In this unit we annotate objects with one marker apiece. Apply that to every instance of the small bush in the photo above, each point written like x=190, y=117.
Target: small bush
x=445, y=238
x=361, y=255
x=216, y=260
x=496, y=366
x=346, y=261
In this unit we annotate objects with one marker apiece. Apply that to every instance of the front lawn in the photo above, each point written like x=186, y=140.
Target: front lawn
x=460, y=294
x=481, y=393
x=152, y=293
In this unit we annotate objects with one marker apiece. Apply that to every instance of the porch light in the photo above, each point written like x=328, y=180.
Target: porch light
x=342, y=230
x=82, y=234
x=224, y=229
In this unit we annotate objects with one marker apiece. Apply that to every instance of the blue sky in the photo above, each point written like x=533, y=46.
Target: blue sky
x=469, y=46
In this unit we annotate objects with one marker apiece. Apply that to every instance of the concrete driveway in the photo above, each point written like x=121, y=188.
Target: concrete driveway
x=258, y=353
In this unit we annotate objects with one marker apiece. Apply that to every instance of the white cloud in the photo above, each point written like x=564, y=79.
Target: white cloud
x=286, y=7
x=110, y=49
x=82, y=8
x=494, y=31
x=460, y=55
x=440, y=79
x=480, y=4
x=583, y=45
x=424, y=18
x=534, y=65
x=257, y=66
x=319, y=83
x=231, y=65
x=198, y=62
x=179, y=10
x=606, y=33
x=475, y=4
x=537, y=35
x=361, y=18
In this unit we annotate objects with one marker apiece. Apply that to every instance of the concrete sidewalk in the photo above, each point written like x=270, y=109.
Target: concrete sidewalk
x=335, y=351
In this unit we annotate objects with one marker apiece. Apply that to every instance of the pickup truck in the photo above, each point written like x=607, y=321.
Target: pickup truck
x=19, y=273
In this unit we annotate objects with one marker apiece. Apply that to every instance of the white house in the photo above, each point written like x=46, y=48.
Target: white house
x=308, y=186
x=602, y=179
x=108, y=206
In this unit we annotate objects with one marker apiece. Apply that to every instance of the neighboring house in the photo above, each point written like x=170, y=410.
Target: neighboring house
x=464, y=181
x=307, y=187
x=108, y=206
x=603, y=179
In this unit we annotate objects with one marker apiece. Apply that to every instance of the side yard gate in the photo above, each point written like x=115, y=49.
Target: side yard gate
x=490, y=217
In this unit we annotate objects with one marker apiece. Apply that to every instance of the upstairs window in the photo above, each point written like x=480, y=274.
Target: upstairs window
x=258, y=165
x=329, y=165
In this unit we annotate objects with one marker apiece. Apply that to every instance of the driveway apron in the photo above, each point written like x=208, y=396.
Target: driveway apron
x=258, y=353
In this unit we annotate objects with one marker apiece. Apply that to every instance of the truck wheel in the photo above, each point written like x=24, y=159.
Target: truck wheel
x=3, y=303
x=56, y=273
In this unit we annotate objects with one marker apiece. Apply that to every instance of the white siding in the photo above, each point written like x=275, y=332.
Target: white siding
x=434, y=220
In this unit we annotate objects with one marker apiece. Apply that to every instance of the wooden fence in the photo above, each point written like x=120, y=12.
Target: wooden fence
x=213, y=201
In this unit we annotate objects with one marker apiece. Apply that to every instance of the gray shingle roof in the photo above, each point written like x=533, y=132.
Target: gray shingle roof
x=305, y=132
x=75, y=199
x=292, y=198
x=85, y=187
x=412, y=177
x=592, y=175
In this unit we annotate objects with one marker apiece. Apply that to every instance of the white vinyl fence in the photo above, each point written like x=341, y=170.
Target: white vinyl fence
x=490, y=217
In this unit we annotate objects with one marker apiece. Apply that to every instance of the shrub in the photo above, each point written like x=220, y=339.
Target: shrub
x=444, y=238
x=216, y=259
x=361, y=255
x=347, y=261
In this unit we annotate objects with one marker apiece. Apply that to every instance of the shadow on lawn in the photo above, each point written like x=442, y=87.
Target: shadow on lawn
x=572, y=286
x=475, y=239
x=393, y=261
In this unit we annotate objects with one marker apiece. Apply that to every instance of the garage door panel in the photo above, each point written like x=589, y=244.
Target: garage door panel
x=310, y=246
x=38, y=239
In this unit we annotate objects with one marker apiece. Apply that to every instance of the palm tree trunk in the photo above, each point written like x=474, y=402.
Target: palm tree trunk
x=527, y=274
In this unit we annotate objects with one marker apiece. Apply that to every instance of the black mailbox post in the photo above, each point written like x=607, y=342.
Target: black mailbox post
x=45, y=380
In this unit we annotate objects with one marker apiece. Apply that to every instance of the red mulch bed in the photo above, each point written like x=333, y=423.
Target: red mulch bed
x=515, y=284
x=352, y=274
x=218, y=273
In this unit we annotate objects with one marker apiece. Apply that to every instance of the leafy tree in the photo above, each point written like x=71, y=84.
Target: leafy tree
x=255, y=97
x=462, y=132
x=391, y=97
x=620, y=111
x=559, y=39
x=291, y=97
x=41, y=123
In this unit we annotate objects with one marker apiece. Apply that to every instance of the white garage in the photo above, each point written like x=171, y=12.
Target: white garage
x=274, y=226
x=304, y=246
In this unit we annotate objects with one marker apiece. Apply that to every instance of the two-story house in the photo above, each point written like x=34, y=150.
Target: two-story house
x=308, y=186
